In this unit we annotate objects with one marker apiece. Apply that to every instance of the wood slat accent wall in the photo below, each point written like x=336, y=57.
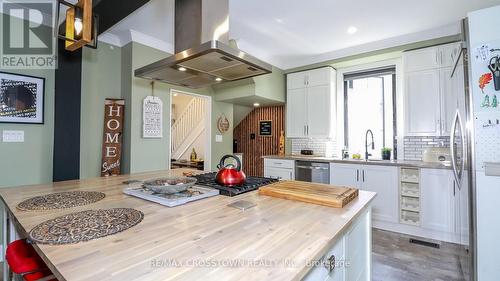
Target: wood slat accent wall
x=253, y=150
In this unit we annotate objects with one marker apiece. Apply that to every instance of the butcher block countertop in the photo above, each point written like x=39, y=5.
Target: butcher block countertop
x=204, y=240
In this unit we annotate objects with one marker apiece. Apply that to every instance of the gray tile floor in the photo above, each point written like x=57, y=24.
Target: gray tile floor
x=395, y=259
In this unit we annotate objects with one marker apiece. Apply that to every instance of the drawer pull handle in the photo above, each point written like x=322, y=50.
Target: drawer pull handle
x=330, y=263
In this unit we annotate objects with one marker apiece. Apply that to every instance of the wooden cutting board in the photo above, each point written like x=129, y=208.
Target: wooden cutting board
x=315, y=193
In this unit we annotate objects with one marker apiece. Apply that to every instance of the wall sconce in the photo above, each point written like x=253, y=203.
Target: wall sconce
x=80, y=25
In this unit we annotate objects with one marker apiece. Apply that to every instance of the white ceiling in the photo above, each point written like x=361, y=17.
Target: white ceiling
x=292, y=33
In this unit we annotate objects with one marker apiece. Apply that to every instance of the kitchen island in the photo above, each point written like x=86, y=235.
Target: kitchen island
x=275, y=240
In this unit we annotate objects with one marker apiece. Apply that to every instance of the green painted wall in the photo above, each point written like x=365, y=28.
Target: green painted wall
x=153, y=154
x=101, y=79
x=30, y=162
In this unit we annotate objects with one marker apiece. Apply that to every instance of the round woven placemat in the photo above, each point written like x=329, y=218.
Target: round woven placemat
x=60, y=200
x=85, y=226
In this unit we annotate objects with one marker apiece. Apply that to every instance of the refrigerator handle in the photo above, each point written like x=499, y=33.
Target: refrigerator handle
x=452, y=146
x=457, y=174
x=464, y=151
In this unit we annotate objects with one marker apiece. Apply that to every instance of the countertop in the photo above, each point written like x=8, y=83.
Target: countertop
x=399, y=163
x=205, y=231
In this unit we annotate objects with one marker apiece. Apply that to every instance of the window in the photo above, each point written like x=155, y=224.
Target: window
x=369, y=103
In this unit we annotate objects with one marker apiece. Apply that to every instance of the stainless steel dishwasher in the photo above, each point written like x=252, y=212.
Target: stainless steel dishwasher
x=318, y=172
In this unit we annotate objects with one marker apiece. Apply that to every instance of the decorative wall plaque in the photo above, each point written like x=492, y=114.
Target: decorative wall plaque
x=223, y=124
x=114, y=110
x=152, y=117
x=265, y=128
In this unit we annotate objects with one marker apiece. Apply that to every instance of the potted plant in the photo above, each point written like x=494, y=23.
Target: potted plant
x=386, y=153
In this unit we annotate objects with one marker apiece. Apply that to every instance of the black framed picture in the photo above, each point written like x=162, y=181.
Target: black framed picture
x=21, y=98
x=265, y=128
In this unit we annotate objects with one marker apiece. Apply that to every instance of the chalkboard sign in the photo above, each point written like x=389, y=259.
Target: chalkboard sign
x=265, y=128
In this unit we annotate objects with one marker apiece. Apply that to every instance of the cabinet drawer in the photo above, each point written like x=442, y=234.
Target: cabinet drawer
x=410, y=204
x=410, y=189
x=278, y=173
x=279, y=163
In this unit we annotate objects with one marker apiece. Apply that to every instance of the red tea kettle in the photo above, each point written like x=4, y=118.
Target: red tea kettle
x=228, y=174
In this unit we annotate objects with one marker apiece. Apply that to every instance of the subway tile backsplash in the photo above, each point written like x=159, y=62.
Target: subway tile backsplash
x=322, y=147
x=414, y=146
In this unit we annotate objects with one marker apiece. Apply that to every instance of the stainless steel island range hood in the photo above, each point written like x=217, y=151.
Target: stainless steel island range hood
x=196, y=64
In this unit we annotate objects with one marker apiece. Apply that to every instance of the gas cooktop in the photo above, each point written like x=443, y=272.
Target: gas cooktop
x=252, y=183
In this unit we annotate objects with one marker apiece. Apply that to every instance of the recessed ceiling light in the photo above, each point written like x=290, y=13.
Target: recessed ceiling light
x=175, y=94
x=218, y=79
x=182, y=68
x=256, y=104
x=352, y=30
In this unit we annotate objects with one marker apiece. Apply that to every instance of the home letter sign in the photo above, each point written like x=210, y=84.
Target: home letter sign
x=114, y=109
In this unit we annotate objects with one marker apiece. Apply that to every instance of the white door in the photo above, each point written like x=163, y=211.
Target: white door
x=422, y=103
x=436, y=187
x=296, y=113
x=383, y=181
x=296, y=80
x=318, y=111
x=450, y=88
x=345, y=175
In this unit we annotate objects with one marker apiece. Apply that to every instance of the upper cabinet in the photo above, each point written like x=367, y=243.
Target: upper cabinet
x=421, y=59
x=431, y=94
x=311, y=103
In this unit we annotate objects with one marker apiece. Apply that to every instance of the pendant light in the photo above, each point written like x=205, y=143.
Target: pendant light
x=80, y=25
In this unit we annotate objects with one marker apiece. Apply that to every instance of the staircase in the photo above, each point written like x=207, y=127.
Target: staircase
x=188, y=127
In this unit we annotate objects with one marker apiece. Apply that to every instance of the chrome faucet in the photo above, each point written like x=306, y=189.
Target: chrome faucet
x=366, y=144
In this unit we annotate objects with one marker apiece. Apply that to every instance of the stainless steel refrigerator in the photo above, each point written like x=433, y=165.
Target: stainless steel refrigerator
x=475, y=146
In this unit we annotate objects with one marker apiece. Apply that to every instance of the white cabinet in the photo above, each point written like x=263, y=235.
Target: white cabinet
x=296, y=117
x=422, y=105
x=350, y=258
x=358, y=250
x=449, y=99
x=431, y=94
x=310, y=110
x=296, y=80
x=344, y=175
x=421, y=59
x=279, y=169
x=380, y=179
x=449, y=54
x=431, y=57
x=319, y=111
x=437, y=202
x=384, y=181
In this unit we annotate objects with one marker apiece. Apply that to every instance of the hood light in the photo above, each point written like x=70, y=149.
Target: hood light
x=256, y=104
x=182, y=68
x=218, y=79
